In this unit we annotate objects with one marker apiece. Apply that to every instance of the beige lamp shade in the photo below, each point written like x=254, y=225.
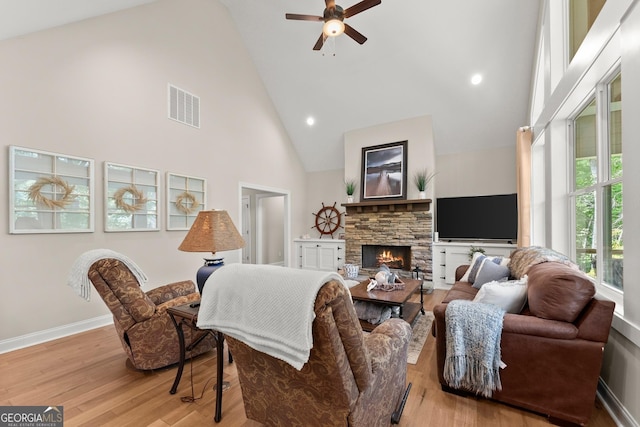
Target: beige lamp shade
x=212, y=231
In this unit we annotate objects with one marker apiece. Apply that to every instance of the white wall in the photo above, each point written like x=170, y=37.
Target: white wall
x=477, y=173
x=622, y=355
x=323, y=187
x=473, y=173
x=631, y=150
x=417, y=131
x=273, y=213
x=470, y=173
x=98, y=89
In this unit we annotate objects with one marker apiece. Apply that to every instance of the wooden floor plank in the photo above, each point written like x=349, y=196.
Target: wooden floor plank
x=88, y=374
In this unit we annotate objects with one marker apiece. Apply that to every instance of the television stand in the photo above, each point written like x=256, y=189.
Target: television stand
x=447, y=256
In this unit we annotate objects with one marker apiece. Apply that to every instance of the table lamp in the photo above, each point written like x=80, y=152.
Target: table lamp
x=212, y=231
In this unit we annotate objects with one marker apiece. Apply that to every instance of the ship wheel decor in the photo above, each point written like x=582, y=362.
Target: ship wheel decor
x=327, y=220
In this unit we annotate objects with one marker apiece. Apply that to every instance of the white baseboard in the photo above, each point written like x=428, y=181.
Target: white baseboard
x=39, y=337
x=618, y=412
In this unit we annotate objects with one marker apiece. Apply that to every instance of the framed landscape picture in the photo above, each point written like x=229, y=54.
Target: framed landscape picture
x=384, y=171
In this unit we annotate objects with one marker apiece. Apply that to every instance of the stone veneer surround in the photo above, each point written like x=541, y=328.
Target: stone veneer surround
x=392, y=223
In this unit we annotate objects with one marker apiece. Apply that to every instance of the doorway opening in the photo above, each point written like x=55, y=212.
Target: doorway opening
x=266, y=224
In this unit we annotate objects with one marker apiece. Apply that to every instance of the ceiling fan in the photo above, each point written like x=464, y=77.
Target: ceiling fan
x=333, y=17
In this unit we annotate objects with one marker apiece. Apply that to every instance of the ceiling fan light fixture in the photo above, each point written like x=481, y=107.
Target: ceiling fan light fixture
x=333, y=27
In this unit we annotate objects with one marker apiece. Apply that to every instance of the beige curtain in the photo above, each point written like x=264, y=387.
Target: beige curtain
x=523, y=182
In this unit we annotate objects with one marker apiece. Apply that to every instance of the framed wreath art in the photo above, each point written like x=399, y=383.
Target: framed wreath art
x=36, y=192
x=186, y=196
x=187, y=203
x=49, y=192
x=131, y=198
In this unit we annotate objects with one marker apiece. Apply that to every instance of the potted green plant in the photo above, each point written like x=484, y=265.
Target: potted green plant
x=473, y=250
x=422, y=179
x=350, y=186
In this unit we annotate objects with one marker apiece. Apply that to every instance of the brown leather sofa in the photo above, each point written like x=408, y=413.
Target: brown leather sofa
x=553, y=348
x=349, y=380
x=148, y=335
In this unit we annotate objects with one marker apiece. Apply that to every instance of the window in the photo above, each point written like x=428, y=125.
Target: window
x=613, y=244
x=582, y=14
x=585, y=174
x=597, y=194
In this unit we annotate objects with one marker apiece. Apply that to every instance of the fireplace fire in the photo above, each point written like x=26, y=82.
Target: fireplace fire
x=394, y=257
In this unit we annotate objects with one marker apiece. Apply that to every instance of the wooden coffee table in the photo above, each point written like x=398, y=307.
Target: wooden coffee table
x=400, y=298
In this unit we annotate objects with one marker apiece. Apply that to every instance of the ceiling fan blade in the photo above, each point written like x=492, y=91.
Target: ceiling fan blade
x=348, y=30
x=361, y=7
x=320, y=42
x=297, y=17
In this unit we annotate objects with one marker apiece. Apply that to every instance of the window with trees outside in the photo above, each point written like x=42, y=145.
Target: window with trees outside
x=597, y=194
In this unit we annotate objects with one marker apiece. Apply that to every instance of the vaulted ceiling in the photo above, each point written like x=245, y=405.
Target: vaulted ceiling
x=418, y=60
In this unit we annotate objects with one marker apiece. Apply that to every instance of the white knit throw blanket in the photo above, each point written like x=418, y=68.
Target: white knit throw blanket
x=269, y=308
x=473, y=346
x=79, y=279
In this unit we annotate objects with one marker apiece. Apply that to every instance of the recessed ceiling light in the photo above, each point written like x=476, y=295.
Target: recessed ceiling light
x=476, y=79
x=310, y=121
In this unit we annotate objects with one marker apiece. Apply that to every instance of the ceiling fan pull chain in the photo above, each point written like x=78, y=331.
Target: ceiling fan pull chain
x=329, y=47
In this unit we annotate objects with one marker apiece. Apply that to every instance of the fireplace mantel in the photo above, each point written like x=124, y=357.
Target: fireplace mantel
x=388, y=206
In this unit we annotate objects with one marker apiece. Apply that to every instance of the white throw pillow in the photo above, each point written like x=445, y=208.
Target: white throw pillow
x=510, y=295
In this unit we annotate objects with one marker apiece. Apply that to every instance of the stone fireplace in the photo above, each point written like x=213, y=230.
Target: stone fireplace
x=397, y=232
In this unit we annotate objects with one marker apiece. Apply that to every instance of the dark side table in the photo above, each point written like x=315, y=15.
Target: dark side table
x=187, y=315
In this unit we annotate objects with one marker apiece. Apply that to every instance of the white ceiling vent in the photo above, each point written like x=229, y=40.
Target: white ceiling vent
x=184, y=107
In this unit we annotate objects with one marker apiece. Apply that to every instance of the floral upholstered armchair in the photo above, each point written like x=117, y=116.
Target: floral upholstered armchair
x=349, y=380
x=144, y=327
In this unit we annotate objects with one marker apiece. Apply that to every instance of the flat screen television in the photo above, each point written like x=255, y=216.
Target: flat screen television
x=477, y=218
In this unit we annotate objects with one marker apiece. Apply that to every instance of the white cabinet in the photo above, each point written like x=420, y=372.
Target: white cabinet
x=446, y=257
x=438, y=262
x=319, y=254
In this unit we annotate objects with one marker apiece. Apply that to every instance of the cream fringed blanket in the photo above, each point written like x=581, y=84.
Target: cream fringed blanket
x=79, y=279
x=267, y=307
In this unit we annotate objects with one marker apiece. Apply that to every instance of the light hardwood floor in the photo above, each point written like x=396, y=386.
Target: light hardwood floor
x=87, y=374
